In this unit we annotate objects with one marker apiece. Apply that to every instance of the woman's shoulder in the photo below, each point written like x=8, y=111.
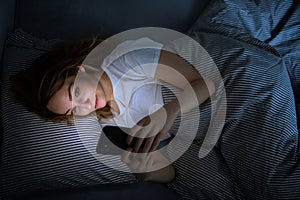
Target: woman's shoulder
x=131, y=48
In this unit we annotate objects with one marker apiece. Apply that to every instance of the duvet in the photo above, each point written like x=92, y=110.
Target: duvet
x=256, y=47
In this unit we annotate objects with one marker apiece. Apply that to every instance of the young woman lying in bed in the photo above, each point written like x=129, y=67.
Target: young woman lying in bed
x=64, y=88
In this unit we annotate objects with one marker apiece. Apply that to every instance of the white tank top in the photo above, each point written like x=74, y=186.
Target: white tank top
x=136, y=91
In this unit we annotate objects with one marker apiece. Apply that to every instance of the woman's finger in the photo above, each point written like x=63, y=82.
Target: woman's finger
x=156, y=142
x=138, y=144
x=142, y=136
x=148, y=144
x=144, y=162
x=125, y=156
x=149, y=164
x=136, y=165
x=131, y=159
x=132, y=133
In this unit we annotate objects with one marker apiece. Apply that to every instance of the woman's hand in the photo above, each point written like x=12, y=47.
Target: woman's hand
x=151, y=166
x=174, y=70
x=150, y=129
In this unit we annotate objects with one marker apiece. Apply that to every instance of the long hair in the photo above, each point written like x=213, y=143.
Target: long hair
x=48, y=74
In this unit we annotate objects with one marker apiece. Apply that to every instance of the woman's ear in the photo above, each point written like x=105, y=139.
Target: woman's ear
x=81, y=68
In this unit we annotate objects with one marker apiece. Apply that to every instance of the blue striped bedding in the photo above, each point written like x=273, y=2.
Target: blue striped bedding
x=258, y=146
x=39, y=156
x=256, y=47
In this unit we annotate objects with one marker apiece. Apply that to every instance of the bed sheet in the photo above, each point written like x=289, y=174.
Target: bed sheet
x=273, y=22
x=255, y=46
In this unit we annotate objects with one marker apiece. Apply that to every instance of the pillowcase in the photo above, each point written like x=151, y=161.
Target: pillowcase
x=38, y=155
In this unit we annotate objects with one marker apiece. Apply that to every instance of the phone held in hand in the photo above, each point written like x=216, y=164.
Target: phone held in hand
x=113, y=140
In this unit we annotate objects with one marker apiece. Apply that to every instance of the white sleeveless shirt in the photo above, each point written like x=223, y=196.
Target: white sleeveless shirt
x=136, y=91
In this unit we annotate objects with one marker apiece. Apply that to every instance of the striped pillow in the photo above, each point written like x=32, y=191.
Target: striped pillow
x=41, y=156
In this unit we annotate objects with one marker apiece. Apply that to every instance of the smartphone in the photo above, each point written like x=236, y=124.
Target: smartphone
x=113, y=140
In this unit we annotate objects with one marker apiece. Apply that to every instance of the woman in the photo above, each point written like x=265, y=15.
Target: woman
x=63, y=87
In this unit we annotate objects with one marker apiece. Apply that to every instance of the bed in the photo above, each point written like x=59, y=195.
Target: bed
x=255, y=46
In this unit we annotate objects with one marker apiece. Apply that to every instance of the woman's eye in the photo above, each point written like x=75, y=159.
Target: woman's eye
x=77, y=92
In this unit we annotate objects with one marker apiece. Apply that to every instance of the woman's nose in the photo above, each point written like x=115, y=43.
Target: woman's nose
x=87, y=104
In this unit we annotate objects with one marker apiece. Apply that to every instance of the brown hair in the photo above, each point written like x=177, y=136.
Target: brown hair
x=35, y=86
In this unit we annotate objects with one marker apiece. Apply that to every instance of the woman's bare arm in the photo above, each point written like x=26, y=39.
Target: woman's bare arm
x=153, y=166
x=196, y=88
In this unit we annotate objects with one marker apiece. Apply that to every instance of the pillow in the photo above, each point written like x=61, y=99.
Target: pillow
x=39, y=156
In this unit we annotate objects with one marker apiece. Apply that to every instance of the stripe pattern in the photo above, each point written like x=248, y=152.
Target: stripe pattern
x=44, y=156
x=257, y=156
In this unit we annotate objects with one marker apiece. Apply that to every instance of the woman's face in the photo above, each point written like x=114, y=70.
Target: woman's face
x=80, y=95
